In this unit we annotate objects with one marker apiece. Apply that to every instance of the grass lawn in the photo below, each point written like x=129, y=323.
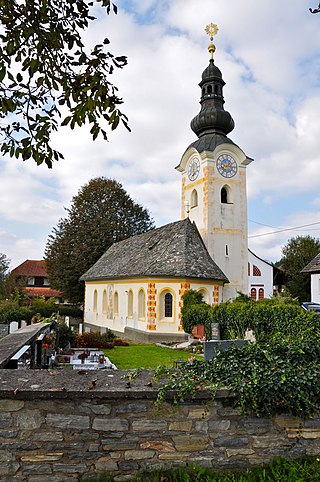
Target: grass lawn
x=144, y=356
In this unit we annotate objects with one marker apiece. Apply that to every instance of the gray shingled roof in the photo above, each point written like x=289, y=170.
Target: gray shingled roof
x=208, y=142
x=175, y=250
x=313, y=266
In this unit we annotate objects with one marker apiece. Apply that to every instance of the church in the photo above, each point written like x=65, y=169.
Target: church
x=136, y=287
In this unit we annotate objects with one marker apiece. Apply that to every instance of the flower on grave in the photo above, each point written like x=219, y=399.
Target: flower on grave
x=191, y=359
x=83, y=355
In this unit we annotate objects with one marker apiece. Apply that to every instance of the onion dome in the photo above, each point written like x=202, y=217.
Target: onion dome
x=212, y=117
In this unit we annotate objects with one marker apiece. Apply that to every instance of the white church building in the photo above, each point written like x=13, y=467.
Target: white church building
x=136, y=287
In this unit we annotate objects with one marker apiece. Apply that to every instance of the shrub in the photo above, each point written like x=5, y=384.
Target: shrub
x=94, y=340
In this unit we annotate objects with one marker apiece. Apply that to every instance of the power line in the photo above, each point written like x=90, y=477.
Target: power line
x=282, y=230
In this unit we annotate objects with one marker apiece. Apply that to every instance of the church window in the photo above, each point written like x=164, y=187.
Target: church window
x=256, y=271
x=248, y=269
x=141, y=304
x=104, y=302
x=205, y=295
x=194, y=199
x=116, y=303
x=166, y=304
x=95, y=300
x=130, y=304
x=261, y=294
x=253, y=294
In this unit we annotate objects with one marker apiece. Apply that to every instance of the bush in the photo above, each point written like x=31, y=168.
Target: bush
x=94, y=340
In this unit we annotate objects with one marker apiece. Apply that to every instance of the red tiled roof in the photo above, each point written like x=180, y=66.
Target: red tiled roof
x=47, y=292
x=31, y=267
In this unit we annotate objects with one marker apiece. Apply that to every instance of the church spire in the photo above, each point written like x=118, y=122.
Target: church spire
x=212, y=117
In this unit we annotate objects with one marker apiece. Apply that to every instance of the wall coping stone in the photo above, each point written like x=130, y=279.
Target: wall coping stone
x=67, y=384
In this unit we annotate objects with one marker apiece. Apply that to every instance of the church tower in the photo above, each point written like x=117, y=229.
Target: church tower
x=213, y=172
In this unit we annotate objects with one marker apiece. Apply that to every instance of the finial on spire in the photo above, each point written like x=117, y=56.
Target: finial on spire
x=211, y=30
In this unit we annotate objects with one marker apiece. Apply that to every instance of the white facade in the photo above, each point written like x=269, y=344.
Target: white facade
x=140, y=304
x=218, y=206
x=315, y=288
x=260, y=277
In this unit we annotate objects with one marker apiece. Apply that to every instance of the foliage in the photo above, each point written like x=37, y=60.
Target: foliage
x=197, y=315
x=47, y=72
x=94, y=340
x=195, y=312
x=297, y=253
x=101, y=214
x=64, y=334
x=10, y=310
x=4, y=275
x=271, y=378
x=279, y=470
x=266, y=318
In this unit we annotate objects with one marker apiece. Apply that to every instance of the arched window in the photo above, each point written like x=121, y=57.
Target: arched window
x=261, y=293
x=141, y=304
x=130, y=304
x=116, y=303
x=104, y=302
x=253, y=294
x=95, y=300
x=209, y=89
x=256, y=271
x=168, y=299
x=194, y=199
x=224, y=196
x=205, y=295
x=166, y=304
x=216, y=89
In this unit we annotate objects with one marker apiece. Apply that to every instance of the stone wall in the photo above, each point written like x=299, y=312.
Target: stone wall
x=61, y=425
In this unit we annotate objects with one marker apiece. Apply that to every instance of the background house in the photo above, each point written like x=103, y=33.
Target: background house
x=313, y=268
x=32, y=276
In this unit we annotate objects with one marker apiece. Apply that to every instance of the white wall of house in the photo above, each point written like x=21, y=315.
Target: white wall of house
x=315, y=288
x=260, y=277
x=140, y=303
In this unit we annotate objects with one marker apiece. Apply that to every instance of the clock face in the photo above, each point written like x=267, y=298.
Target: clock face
x=226, y=165
x=193, y=169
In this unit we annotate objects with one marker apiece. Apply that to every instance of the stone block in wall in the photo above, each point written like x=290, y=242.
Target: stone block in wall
x=190, y=443
x=11, y=405
x=149, y=425
x=80, y=422
x=254, y=426
x=48, y=457
x=104, y=409
x=5, y=434
x=111, y=444
x=139, y=454
x=230, y=441
x=37, y=469
x=6, y=420
x=129, y=465
x=69, y=468
x=29, y=419
x=105, y=464
x=215, y=426
x=110, y=424
x=239, y=452
x=132, y=407
x=158, y=445
x=265, y=441
x=46, y=436
x=180, y=426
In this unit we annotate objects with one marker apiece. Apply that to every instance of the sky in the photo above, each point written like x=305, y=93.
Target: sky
x=269, y=55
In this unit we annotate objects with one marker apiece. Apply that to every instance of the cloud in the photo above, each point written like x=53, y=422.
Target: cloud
x=269, y=56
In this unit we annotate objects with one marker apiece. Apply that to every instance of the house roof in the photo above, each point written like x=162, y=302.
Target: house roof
x=313, y=266
x=31, y=267
x=34, y=292
x=174, y=250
